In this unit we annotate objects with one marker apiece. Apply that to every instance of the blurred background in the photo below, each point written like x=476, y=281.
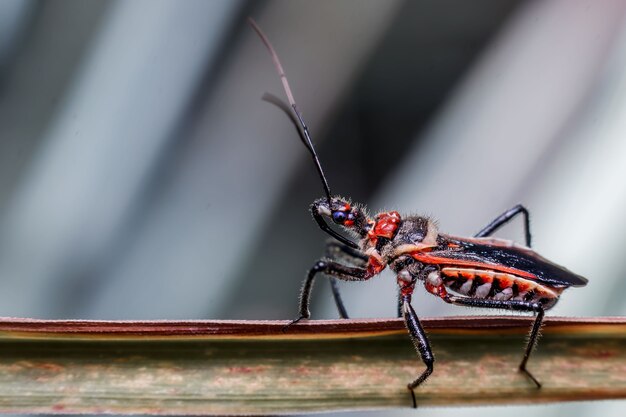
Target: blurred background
x=142, y=176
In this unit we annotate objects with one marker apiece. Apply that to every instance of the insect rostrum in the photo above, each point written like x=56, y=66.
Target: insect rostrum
x=479, y=271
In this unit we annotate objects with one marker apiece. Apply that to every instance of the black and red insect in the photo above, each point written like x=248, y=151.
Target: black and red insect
x=480, y=271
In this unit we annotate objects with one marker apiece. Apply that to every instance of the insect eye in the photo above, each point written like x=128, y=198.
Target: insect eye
x=339, y=217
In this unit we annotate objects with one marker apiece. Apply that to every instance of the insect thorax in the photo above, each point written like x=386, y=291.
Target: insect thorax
x=390, y=235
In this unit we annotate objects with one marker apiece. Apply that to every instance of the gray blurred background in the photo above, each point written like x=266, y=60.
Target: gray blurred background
x=142, y=177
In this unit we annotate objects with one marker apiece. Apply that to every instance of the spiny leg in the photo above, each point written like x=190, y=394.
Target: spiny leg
x=513, y=305
x=420, y=341
x=341, y=308
x=506, y=217
x=339, y=251
x=343, y=272
x=532, y=342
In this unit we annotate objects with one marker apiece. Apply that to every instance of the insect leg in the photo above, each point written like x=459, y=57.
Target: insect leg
x=339, y=251
x=532, y=342
x=341, y=308
x=334, y=269
x=420, y=341
x=513, y=305
x=503, y=219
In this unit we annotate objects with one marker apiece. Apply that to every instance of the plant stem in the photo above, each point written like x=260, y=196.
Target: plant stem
x=253, y=367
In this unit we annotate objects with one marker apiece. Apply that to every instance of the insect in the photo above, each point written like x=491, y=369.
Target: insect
x=478, y=271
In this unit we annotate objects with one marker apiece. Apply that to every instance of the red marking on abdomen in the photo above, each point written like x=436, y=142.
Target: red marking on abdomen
x=485, y=276
x=502, y=280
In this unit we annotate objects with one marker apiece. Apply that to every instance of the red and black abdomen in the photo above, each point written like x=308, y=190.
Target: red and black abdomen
x=496, y=285
x=495, y=269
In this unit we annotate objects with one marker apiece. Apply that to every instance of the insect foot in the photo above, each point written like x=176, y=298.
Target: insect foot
x=292, y=322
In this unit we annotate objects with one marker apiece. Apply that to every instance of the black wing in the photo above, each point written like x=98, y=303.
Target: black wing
x=502, y=255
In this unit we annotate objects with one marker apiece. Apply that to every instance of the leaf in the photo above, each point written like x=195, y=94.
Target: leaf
x=253, y=367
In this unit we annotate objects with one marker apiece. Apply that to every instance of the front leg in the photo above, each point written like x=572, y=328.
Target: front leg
x=333, y=269
x=340, y=252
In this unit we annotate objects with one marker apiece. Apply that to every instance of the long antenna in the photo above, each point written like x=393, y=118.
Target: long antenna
x=306, y=137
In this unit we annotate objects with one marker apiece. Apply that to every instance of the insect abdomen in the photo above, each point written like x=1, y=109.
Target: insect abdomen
x=494, y=285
